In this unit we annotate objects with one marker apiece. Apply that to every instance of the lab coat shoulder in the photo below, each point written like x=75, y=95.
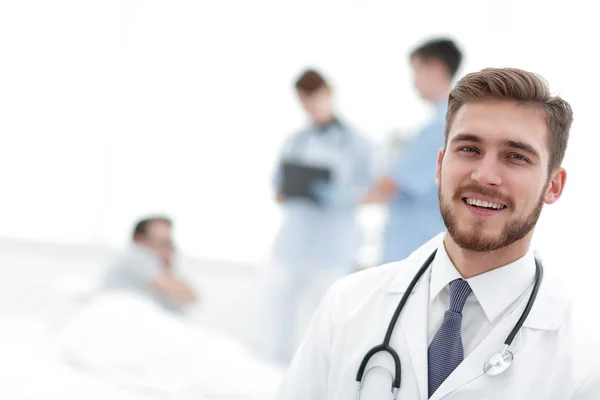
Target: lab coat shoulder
x=565, y=336
x=582, y=354
x=359, y=288
x=590, y=388
x=582, y=358
x=314, y=371
x=309, y=375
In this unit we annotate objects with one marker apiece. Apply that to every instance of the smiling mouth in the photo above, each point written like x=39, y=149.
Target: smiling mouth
x=485, y=205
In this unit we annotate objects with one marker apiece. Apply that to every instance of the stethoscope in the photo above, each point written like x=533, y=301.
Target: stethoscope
x=495, y=365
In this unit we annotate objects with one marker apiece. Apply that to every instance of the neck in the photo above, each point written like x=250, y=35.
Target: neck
x=325, y=121
x=471, y=263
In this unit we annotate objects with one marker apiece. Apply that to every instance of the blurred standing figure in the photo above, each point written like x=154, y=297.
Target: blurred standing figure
x=409, y=187
x=318, y=241
x=146, y=266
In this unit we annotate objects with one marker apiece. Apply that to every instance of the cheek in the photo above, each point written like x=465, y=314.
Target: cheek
x=308, y=104
x=322, y=105
x=418, y=81
x=446, y=184
x=525, y=194
x=450, y=173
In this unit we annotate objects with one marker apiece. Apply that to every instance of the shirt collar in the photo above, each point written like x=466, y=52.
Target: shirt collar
x=495, y=290
x=326, y=127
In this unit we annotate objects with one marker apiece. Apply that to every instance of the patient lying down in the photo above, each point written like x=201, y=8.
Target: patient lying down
x=131, y=339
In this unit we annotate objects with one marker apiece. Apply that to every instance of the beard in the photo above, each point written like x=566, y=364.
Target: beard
x=473, y=238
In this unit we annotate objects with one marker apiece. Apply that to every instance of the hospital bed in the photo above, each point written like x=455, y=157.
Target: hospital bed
x=121, y=347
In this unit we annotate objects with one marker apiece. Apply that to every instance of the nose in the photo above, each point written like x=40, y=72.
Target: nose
x=487, y=172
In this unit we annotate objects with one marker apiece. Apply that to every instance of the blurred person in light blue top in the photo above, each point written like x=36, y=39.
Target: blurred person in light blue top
x=318, y=241
x=409, y=186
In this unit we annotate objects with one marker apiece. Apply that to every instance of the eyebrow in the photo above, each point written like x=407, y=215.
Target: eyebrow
x=521, y=146
x=469, y=137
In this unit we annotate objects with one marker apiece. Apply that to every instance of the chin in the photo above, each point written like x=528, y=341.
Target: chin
x=477, y=231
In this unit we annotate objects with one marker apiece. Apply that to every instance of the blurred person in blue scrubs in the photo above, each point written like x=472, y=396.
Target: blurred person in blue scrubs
x=409, y=186
x=146, y=266
x=318, y=241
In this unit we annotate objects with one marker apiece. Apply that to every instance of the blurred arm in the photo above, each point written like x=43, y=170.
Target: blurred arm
x=383, y=191
x=276, y=178
x=414, y=171
x=173, y=288
x=279, y=198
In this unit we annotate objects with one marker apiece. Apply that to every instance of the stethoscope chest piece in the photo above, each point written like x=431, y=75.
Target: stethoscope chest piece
x=498, y=362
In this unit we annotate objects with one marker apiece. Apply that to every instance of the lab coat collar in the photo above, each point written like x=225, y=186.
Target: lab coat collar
x=407, y=268
x=547, y=313
x=413, y=322
x=495, y=290
x=548, y=308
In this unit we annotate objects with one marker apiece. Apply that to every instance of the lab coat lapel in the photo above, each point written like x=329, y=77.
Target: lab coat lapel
x=472, y=366
x=413, y=319
x=413, y=322
x=545, y=314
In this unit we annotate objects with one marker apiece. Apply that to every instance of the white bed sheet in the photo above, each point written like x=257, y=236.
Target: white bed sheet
x=120, y=346
x=32, y=369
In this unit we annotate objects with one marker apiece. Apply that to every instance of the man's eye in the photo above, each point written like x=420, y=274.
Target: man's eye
x=518, y=157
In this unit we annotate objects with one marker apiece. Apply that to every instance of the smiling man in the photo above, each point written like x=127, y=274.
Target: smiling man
x=499, y=167
x=470, y=314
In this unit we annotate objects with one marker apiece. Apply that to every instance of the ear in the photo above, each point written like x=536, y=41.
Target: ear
x=555, y=186
x=438, y=169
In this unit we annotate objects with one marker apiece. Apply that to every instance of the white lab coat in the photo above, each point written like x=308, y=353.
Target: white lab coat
x=554, y=359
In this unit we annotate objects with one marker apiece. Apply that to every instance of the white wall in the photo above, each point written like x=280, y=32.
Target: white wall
x=116, y=108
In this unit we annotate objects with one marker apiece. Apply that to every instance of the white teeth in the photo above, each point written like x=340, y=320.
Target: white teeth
x=486, y=204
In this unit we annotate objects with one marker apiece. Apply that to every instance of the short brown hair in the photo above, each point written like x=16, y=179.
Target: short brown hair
x=141, y=226
x=525, y=87
x=310, y=81
x=443, y=50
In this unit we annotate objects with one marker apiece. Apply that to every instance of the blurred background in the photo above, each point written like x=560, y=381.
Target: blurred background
x=112, y=110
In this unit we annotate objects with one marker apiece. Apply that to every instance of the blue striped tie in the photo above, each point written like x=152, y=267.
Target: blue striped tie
x=446, y=349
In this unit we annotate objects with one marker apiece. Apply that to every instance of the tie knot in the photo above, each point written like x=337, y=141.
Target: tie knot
x=459, y=291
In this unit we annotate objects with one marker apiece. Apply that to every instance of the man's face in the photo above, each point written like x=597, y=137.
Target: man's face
x=318, y=104
x=159, y=238
x=493, y=175
x=425, y=76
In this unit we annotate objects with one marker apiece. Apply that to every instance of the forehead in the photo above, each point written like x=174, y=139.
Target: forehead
x=159, y=228
x=499, y=121
x=321, y=91
x=417, y=62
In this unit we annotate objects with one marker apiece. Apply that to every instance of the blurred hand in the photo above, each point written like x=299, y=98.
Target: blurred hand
x=174, y=289
x=334, y=195
x=280, y=198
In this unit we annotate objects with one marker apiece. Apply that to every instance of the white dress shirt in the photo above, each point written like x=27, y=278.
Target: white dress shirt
x=494, y=294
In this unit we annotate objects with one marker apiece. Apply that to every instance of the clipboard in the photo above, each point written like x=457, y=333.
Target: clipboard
x=299, y=179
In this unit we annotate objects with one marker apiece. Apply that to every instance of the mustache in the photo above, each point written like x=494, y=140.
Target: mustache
x=484, y=191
